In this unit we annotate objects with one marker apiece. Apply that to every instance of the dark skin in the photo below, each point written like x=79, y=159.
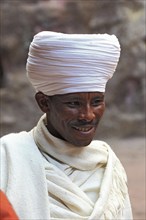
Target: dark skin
x=73, y=117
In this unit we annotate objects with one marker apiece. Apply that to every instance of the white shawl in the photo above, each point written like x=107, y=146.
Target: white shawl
x=54, y=180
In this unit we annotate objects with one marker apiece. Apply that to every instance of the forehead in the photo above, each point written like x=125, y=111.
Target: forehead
x=79, y=95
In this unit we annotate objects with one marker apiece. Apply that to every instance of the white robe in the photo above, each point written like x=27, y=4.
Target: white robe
x=47, y=178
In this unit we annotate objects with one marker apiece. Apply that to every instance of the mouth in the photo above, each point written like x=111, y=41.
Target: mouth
x=83, y=135
x=83, y=129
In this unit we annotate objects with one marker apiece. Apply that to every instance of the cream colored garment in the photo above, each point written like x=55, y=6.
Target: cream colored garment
x=79, y=185
x=61, y=63
x=60, y=181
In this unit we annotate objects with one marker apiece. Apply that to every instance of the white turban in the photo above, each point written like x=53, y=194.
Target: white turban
x=61, y=63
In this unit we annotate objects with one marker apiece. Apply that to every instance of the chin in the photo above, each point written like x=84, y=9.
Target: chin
x=82, y=143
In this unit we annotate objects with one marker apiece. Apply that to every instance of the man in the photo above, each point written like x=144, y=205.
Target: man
x=57, y=171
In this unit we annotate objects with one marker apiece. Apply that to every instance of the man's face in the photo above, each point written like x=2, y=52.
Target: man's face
x=74, y=117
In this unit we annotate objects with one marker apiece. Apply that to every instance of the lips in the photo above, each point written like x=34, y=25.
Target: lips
x=83, y=129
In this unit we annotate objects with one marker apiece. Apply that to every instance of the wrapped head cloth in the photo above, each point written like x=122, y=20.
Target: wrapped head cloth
x=61, y=63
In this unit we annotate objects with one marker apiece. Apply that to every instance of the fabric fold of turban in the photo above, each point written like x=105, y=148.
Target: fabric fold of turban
x=60, y=63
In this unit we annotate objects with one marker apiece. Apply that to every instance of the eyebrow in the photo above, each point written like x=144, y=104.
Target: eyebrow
x=76, y=96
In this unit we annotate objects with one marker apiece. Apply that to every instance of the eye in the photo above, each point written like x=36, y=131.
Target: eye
x=73, y=104
x=97, y=102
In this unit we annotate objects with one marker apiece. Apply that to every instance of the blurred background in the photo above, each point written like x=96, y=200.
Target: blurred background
x=123, y=124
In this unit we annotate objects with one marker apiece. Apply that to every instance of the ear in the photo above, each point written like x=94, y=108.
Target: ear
x=43, y=101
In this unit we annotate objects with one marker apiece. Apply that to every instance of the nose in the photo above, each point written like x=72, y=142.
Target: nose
x=86, y=113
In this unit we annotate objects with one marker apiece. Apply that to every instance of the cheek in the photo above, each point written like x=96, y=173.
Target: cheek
x=63, y=116
x=68, y=114
x=100, y=110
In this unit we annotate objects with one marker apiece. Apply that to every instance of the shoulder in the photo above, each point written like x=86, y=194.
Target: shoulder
x=99, y=142
x=102, y=145
x=19, y=147
x=15, y=136
x=14, y=139
x=112, y=157
x=18, y=143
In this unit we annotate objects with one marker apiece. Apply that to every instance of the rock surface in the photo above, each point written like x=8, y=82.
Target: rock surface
x=124, y=116
x=125, y=94
x=131, y=152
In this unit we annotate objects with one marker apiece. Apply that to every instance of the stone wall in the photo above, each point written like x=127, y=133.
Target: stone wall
x=125, y=92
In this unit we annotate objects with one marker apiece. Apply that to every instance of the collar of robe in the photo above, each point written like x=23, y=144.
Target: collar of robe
x=75, y=204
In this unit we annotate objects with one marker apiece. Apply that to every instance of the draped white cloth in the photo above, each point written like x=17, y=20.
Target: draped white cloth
x=52, y=179
x=61, y=63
